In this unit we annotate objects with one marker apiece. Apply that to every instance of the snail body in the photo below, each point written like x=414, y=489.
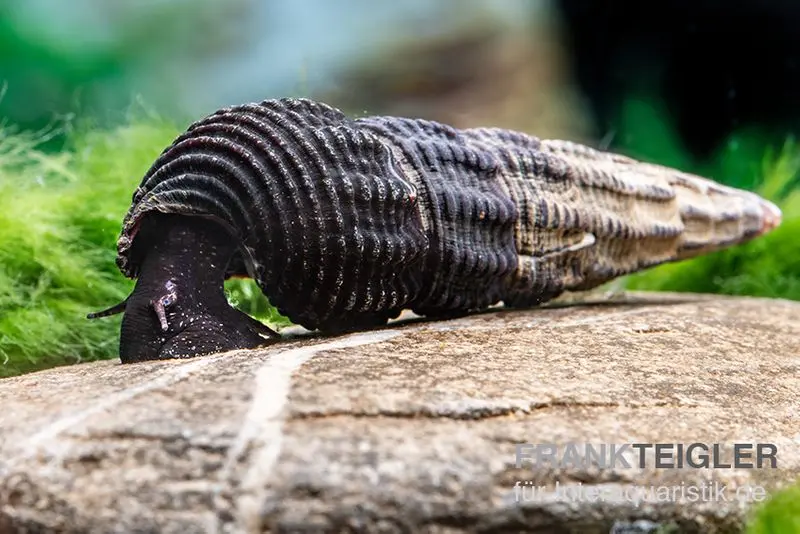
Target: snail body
x=343, y=223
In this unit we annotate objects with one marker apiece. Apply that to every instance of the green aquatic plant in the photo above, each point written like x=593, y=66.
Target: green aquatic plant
x=779, y=514
x=60, y=215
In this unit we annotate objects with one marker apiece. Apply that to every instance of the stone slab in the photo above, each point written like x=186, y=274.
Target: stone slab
x=413, y=427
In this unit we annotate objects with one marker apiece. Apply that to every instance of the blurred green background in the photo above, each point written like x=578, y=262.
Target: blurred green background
x=93, y=90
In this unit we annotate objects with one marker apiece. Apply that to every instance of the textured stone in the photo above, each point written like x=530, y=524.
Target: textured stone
x=408, y=428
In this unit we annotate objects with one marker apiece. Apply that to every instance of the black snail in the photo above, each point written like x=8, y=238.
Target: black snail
x=343, y=223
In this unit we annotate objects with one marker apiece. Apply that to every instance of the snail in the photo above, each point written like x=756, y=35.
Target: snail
x=343, y=223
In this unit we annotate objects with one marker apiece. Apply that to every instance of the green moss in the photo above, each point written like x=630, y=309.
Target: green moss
x=780, y=514
x=60, y=215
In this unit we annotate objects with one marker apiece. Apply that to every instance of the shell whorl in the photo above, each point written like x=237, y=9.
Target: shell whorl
x=319, y=211
x=468, y=216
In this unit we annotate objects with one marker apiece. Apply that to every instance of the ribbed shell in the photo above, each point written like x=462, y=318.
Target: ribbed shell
x=343, y=223
x=468, y=216
x=328, y=228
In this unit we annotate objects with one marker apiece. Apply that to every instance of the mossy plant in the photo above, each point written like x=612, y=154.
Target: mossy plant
x=60, y=216
x=780, y=514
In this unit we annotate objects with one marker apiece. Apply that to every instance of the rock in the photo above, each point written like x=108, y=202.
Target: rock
x=413, y=427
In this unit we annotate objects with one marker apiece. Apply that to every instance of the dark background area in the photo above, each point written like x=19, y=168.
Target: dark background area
x=717, y=66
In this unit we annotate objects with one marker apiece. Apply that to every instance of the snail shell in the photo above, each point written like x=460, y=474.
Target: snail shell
x=343, y=223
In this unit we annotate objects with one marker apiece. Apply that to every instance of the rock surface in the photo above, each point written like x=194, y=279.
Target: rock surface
x=410, y=428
